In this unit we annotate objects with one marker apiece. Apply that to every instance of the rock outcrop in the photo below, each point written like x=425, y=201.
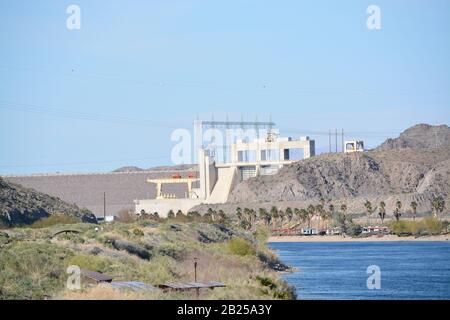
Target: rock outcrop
x=420, y=136
x=21, y=206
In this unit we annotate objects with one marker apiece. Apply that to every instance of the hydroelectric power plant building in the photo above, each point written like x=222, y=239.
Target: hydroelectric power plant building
x=222, y=167
x=218, y=169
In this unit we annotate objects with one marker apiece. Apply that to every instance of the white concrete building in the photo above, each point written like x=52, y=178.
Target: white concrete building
x=354, y=146
x=215, y=181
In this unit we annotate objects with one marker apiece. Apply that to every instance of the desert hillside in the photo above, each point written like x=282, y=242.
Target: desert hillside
x=19, y=205
x=400, y=169
x=420, y=136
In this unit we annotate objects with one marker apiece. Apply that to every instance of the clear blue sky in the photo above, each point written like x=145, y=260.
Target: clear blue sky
x=110, y=93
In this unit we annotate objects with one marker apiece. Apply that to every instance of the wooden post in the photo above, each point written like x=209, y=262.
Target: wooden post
x=195, y=276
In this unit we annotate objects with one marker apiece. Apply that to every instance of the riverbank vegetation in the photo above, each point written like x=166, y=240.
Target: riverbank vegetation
x=326, y=215
x=34, y=261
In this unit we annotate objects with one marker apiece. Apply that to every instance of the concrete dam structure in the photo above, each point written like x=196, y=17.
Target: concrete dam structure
x=219, y=169
x=86, y=190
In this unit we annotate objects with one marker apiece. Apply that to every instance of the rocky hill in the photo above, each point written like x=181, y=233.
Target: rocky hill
x=400, y=169
x=421, y=136
x=19, y=206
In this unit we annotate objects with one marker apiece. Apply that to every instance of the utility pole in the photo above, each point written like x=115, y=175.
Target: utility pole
x=342, y=136
x=435, y=136
x=336, y=140
x=104, y=206
x=329, y=139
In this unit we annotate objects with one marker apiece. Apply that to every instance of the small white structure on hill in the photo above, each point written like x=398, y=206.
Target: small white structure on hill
x=354, y=146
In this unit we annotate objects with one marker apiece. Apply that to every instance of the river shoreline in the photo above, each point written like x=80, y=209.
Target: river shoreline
x=350, y=239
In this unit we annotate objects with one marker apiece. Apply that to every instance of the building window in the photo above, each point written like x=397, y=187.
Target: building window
x=294, y=154
x=247, y=156
x=270, y=155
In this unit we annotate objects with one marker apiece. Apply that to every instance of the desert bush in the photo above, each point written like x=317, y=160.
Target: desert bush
x=400, y=227
x=261, y=234
x=138, y=232
x=433, y=225
x=32, y=270
x=90, y=262
x=240, y=247
x=53, y=220
x=131, y=248
x=354, y=230
x=266, y=281
x=428, y=225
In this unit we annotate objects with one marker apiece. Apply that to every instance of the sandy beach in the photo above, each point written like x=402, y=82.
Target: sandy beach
x=349, y=239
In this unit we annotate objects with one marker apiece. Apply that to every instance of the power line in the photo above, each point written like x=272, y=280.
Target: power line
x=65, y=113
x=79, y=163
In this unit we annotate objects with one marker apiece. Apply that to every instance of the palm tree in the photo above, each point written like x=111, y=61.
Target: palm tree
x=239, y=213
x=397, y=213
x=289, y=214
x=369, y=209
x=274, y=214
x=438, y=205
x=413, y=206
x=325, y=215
x=331, y=212
x=248, y=215
x=297, y=213
x=344, y=208
x=211, y=213
x=282, y=215
x=382, y=211
x=222, y=217
x=253, y=215
x=304, y=216
x=319, y=210
x=265, y=216
x=311, y=212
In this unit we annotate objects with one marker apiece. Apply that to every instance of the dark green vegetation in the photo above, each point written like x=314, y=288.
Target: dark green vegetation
x=33, y=261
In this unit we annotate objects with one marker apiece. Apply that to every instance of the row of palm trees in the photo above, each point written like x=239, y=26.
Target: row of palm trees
x=437, y=205
x=276, y=218
x=323, y=213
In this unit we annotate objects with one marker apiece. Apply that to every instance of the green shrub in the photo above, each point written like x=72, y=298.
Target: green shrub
x=240, y=247
x=138, y=232
x=89, y=262
x=32, y=271
x=433, y=225
x=266, y=282
x=170, y=215
x=400, y=227
x=53, y=220
x=261, y=234
x=354, y=230
x=429, y=225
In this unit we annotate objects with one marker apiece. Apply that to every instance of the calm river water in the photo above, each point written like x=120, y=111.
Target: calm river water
x=338, y=270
